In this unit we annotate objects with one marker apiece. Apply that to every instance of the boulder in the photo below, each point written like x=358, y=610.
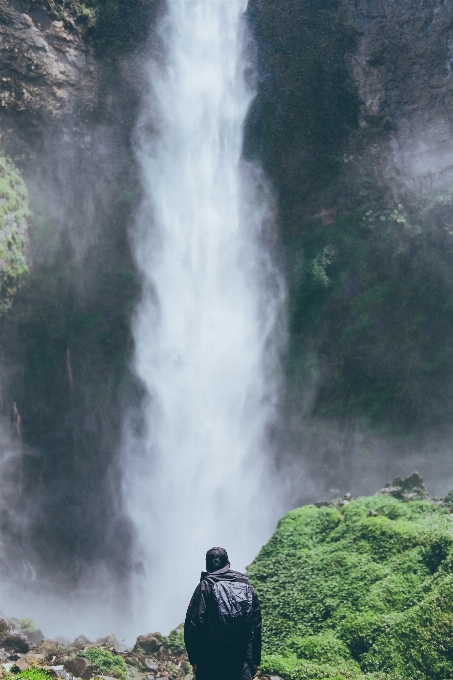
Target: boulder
x=16, y=642
x=150, y=665
x=150, y=644
x=30, y=659
x=110, y=642
x=34, y=637
x=80, y=642
x=49, y=648
x=80, y=667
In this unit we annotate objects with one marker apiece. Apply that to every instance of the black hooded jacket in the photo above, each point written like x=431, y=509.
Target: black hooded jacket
x=195, y=633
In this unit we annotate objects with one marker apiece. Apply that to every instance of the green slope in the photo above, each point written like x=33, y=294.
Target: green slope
x=361, y=590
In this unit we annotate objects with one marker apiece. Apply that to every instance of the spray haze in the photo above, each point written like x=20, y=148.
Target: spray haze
x=206, y=331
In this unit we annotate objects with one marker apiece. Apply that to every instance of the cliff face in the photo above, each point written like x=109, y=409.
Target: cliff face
x=46, y=66
x=402, y=69
x=353, y=123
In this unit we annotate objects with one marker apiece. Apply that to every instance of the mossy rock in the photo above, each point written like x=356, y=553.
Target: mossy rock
x=106, y=662
x=363, y=591
x=14, y=214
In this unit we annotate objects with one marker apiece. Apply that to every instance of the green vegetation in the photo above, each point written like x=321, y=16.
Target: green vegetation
x=28, y=625
x=33, y=674
x=373, y=297
x=14, y=212
x=359, y=591
x=106, y=662
x=174, y=642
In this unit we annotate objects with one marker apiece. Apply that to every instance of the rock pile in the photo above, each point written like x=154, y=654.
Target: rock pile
x=153, y=657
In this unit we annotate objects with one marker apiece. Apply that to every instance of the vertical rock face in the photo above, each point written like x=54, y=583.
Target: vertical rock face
x=48, y=72
x=403, y=70
x=45, y=65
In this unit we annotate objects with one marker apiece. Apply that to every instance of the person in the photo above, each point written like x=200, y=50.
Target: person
x=222, y=629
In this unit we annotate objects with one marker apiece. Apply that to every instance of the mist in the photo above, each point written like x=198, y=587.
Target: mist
x=238, y=298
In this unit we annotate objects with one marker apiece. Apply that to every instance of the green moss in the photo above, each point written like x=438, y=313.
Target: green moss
x=14, y=212
x=106, y=662
x=348, y=593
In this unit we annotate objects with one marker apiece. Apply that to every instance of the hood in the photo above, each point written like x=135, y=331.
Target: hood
x=224, y=574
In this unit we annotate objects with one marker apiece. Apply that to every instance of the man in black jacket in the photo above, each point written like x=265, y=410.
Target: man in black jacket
x=222, y=630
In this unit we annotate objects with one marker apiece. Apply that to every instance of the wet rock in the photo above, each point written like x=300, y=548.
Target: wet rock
x=16, y=642
x=62, y=641
x=373, y=513
x=406, y=489
x=110, y=642
x=392, y=491
x=80, y=667
x=3, y=627
x=30, y=659
x=150, y=665
x=49, y=648
x=35, y=637
x=80, y=643
x=150, y=644
x=322, y=504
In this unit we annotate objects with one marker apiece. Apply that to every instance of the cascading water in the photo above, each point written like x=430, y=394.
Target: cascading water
x=207, y=331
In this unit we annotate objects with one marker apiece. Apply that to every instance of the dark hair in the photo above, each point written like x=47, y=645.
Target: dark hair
x=216, y=559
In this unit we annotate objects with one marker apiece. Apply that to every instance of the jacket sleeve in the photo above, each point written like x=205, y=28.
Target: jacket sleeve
x=194, y=624
x=257, y=621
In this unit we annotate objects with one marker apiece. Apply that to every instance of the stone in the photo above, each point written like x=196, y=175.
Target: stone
x=3, y=627
x=80, y=667
x=16, y=642
x=30, y=659
x=150, y=643
x=80, y=642
x=321, y=504
x=373, y=513
x=62, y=641
x=150, y=665
x=35, y=637
x=49, y=648
x=110, y=641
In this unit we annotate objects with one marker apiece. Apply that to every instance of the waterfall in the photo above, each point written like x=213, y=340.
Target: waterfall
x=208, y=329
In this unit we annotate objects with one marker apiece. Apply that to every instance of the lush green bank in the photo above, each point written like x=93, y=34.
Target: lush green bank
x=359, y=590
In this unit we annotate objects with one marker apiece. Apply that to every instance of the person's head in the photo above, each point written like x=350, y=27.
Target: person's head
x=216, y=559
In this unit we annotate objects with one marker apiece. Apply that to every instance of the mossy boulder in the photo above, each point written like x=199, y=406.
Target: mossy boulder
x=359, y=590
x=14, y=214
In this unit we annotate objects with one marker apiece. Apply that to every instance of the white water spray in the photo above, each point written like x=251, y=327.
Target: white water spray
x=207, y=330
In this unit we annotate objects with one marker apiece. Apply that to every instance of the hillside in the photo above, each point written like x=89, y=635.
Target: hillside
x=360, y=589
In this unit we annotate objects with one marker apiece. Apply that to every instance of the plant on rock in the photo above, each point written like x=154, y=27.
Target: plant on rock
x=106, y=662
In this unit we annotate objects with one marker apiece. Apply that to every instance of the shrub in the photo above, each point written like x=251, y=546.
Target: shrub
x=106, y=662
